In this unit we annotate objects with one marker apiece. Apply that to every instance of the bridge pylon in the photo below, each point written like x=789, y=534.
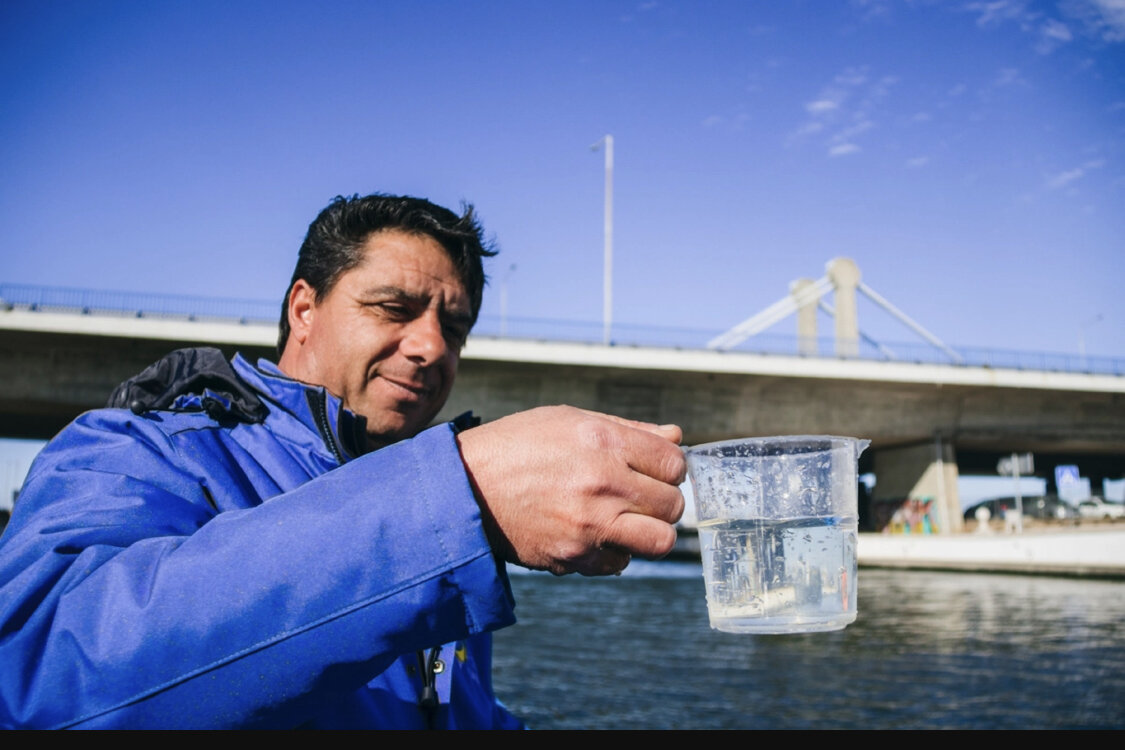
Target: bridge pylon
x=843, y=279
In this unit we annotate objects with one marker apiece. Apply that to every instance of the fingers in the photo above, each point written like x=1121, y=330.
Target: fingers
x=641, y=494
x=656, y=457
x=643, y=536
x=667, y=431
x=658, y=540
x=643, y=447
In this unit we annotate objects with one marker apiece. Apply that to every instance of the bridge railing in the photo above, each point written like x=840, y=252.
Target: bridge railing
x=246, y=311
x=137, y=304
x=625, y=334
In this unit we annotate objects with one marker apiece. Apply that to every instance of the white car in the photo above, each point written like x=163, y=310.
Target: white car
x=1095, y=507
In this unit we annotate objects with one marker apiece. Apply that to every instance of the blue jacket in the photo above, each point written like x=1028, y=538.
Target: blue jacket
x=176, y=570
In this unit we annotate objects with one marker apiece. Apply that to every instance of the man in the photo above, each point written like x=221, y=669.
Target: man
x=291, y=545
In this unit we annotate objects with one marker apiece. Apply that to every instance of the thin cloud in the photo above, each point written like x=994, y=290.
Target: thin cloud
x=996, y=12
x=850, y=132
x=872, y=8
x=1113, y=18
x=727, y=123
x=1063, y=179
x=1005, y=79
x=809, y=128
x=843, y=109
x=1056, y=30
x=852, y=77
x=1101, y=19
x=834, y=96
x=1052, y=35
x=917, y=162
x=821, y=105
x=954, y=93
x=1008, y=77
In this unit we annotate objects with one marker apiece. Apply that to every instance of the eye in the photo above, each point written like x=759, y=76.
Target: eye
x=395, y=310
x=456, y=334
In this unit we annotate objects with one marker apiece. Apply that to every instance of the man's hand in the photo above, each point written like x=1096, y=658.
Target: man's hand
x=567, y=490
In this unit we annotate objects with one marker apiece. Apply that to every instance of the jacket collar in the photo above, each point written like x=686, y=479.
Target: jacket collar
x=343, y=431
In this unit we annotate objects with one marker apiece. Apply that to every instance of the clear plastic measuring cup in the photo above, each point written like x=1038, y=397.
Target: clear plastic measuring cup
x=778, y=520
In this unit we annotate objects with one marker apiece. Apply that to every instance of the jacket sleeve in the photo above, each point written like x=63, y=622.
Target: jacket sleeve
x=125, y=600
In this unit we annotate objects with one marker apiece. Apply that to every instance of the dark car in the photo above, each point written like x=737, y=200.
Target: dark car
x=996, y=508
x=1049, y=508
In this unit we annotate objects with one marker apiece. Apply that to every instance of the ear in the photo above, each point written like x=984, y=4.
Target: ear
x=302, y=310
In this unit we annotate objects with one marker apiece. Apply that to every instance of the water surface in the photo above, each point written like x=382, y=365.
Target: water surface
x=927, y=650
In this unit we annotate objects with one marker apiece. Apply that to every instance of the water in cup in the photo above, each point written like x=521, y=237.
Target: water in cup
x=780, y=576
x=777, y=528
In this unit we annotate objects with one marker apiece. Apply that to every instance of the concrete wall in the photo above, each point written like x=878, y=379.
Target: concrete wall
x=715, y=406
x=919, y=483
x=51, y=378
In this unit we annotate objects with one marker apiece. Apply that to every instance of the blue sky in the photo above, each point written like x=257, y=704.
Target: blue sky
x=970, y=156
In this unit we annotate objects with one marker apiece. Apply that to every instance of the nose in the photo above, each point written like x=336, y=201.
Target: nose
x=423, y=341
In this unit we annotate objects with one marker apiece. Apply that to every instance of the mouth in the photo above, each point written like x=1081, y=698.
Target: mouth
x=408, y=390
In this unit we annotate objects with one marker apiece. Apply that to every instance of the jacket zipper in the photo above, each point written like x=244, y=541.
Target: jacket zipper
x=429, y=667
x=321, y=412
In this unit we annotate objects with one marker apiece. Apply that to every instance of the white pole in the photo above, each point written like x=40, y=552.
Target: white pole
x=607, y=270
x=1019, y=495
x=504, y=301
x=943, y=510
x=1082, y=337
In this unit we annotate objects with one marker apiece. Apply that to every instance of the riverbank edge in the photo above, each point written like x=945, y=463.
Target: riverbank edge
x=1096, y=552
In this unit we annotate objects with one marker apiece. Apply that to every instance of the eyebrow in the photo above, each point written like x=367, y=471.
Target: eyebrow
x=393, y=291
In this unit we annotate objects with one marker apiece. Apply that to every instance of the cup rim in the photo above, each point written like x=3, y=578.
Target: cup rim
x=778, y=439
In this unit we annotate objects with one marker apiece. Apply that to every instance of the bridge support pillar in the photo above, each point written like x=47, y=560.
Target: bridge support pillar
x=844, y=274
x=916, y=489
x=806, y=319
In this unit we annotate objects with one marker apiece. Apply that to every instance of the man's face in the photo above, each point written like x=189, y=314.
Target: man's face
x=387, y=338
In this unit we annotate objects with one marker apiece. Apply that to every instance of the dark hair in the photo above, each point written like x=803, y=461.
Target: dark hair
x=335, y=240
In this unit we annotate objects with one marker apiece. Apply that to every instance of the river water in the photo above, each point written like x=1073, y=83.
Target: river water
x=927, y=651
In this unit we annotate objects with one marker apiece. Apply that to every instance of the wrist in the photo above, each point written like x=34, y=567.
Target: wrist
x=471, y=456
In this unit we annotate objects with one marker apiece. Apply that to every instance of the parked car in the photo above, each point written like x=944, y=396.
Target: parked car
x=1047, y=508
x=996, y=508
x=1095, y=507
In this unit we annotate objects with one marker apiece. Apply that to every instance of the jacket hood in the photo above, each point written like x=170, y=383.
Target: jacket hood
x=197, y=379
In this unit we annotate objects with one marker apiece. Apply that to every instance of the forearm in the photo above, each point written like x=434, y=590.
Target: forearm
x=261, y=612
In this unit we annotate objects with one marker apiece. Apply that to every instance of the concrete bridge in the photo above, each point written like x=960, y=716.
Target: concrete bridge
x=927, y=421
